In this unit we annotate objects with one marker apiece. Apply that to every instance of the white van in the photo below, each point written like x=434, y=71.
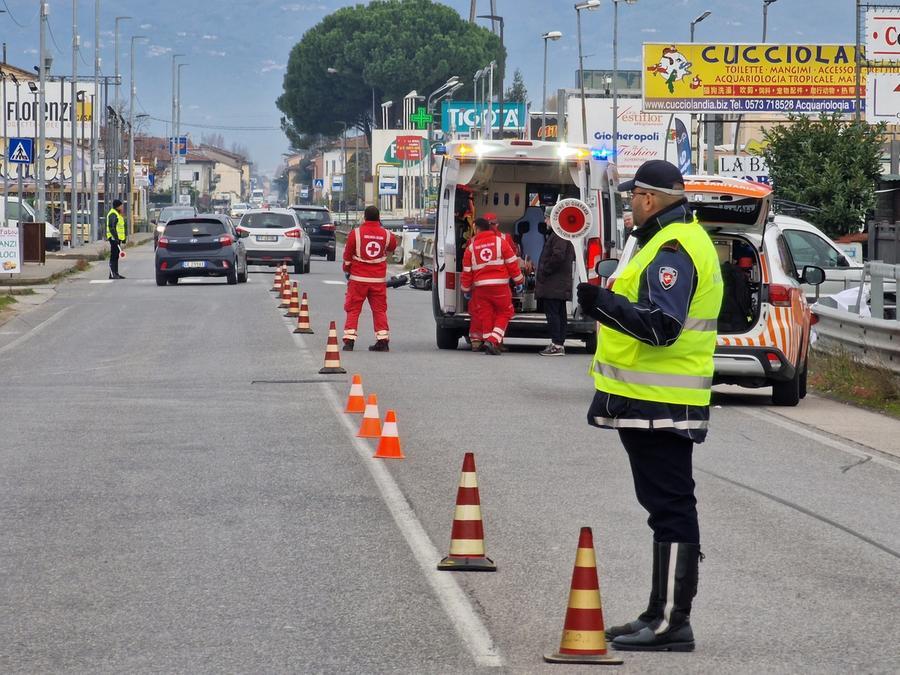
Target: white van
x=520, y=181
x=22, y=212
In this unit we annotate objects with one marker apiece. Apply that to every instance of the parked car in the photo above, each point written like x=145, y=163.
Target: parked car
x=764, y=327
x=170, y=213
x=238, y=209
x=320, y=227
x=84, y=227
x=275, y=236
x=200, y=246
x=22, y=212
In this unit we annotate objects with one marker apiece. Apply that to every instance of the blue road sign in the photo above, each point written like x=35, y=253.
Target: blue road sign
x=319, y=183
x=182, y=145
x=20, y=150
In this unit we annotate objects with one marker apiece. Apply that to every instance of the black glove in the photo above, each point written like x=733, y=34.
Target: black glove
x=588, y=296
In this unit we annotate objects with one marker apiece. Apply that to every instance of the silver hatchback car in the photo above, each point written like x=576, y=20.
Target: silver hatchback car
x=273, y=237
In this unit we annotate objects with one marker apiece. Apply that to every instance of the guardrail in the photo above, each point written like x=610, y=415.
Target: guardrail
x=873, y=339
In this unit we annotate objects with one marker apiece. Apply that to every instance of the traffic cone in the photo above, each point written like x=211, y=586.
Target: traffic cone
x=294, y=306
x=583, y=638
x=389, y=445
x=303, y=317
x=371, y=422
x=332, y=355
x=285, y=293
x=356, y=402
x=276, y=282
x=467, y=535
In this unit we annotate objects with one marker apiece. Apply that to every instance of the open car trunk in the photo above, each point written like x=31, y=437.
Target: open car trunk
x=742, y=283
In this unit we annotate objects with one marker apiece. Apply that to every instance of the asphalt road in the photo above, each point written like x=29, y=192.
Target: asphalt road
x=179, y=492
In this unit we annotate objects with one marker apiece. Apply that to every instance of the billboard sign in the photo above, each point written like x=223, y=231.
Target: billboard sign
x=337, y=183
x=389, y=181
x=641, y=135
x=9, y=250
x=409, y=148
x=463, y=116
x=748, y=167
x=538, y=133
x=22, y=110
x=385, y=147
x=748, y=78
x=883, y=98
x=883, y=34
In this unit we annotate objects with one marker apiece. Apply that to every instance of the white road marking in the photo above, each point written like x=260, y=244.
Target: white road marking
x=101, y=281
x=334, y=283
x=779, y=421
x=469, y=626
x=34, y=331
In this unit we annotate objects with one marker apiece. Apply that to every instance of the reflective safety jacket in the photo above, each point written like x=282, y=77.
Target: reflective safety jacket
x=119, y=232
x=489, y=261
x=678, y=372
x=366, y=252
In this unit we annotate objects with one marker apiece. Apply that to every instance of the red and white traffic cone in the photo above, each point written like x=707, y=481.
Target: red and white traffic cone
x=294, y=306
x=303, y=317
x=285, y=293
x=356, y=402
x=332, y=354
x=276, y=282
x=583, y=637
x=389, y=444
x=467, y=535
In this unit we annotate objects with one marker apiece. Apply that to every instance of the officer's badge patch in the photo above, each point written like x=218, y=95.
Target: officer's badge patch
x=667, y=277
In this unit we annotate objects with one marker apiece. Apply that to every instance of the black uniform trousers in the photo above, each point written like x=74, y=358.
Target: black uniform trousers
x=113, y=257
x=557, y=320
x=664, y=483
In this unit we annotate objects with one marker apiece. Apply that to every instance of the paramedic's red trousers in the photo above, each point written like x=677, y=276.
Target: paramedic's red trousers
x=357, y=293
x=493, y=310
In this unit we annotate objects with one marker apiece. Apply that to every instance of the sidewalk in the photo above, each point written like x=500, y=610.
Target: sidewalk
x=62, y=262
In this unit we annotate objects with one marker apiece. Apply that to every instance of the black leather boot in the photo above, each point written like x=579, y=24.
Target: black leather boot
x=654, y=607
x=678, y=574
x=380, y=346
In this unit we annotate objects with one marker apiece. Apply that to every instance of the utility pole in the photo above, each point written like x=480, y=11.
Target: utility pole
x=117, y=168
x=178, y=127
x=174, y=144
x=42, y=120
x=73, y=239
x=5, y=150
x=95, y=129
x=130, y=181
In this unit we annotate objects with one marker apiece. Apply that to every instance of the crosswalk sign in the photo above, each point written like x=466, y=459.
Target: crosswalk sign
x=319, y=183
x=20, y=150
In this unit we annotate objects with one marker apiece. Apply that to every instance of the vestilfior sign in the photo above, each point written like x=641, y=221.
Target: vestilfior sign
x=747, y=78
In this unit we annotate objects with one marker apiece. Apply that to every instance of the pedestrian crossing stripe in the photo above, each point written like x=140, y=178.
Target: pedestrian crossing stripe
x=20, y=154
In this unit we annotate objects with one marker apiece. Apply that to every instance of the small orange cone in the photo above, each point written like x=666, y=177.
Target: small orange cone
x=371, y=422
x=389, y=445
x=467, y=535
x=356, y=402
x=285, y=293
x=294, y=306
x=332, y=355
x=276, y=283
x=303, y=317
x=583, y=638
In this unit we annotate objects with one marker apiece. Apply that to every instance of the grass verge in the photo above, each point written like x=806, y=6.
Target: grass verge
x=842, y=376
x=6, y=301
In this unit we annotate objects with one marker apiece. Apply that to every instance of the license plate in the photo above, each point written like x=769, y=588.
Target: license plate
x=194, y=263
x=266, y=237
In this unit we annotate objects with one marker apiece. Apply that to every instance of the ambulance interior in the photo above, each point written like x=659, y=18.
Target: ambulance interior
x=522, y=195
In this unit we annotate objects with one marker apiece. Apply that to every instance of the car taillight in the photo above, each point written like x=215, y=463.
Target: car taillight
x=774, y=361
x=292, y=234
x=594, y=255
x=779, y=295
x=450, y=280
x=226, y=240
x=328, y=227
x=163, y=242
x=241, y=230
x=813, y=319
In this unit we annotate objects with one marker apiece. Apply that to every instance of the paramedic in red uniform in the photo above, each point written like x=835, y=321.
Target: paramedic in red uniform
x=489, y=264
x=365, y=266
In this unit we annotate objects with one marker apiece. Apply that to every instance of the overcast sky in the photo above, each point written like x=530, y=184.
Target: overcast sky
x=237, y=49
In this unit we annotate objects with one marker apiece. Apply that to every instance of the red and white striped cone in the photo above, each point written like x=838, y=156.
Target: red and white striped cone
x=583, y=637
x=276, y=282
x=467, y=536
x=285, y=293
x=303, y=317
x=294, y=307
x=332, y=354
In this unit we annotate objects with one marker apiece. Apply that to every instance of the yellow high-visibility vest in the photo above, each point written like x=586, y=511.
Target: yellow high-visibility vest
x=120, y=226
x=681, y=373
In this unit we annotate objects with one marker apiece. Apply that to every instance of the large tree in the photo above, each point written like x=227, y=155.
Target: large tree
x=517, y=91
x=828, y=163
x=387, y=49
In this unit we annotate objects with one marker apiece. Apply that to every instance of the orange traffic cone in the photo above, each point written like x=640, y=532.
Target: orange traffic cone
x=303, y=317
x=467, y=535
x=332, y=355
x=389, y=445
x=276, y=283
x=294, y=306
x=356, y=403
x=285, y=293
x=583, y=638
x=371, y=422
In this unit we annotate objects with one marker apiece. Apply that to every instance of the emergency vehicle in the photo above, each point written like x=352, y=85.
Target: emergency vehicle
x=520, y=181
x=764, y=326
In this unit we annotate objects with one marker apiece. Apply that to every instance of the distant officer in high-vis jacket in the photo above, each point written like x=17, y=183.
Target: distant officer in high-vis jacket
x=488, y=266
x=365, y=266
x=115, y=234
x=653, y=371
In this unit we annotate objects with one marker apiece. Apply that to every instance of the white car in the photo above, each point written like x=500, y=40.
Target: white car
x=238, y=209
x=22, y=212
x=810, y=246
x=273, y=237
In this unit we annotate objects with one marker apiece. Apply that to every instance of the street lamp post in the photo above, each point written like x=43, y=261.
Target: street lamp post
x=73, y=238
x=174, y=145
x=132, y=90
x=551, y=35
x=117, y=170
x=766, y=4
x=590, y=5
x=42, y=121
x=498, y=18
x=5, y=152
x=615, y=119
x=95, y=129
x=178, y=124
x=698, y=20
x=706, y=117
x=384, y=113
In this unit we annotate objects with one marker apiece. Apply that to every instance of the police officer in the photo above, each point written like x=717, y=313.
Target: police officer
x=115, y=234
x=653, y=371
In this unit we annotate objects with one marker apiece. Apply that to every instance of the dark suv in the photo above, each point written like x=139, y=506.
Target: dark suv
x=317, y=222
x=202, y=246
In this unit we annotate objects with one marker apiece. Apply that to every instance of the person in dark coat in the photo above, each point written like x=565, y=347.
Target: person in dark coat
x=553, y=285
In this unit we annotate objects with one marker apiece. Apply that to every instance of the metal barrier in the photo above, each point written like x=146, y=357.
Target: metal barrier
x=874, y=340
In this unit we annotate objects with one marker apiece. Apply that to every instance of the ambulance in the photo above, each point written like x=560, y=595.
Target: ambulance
x=520, y=181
